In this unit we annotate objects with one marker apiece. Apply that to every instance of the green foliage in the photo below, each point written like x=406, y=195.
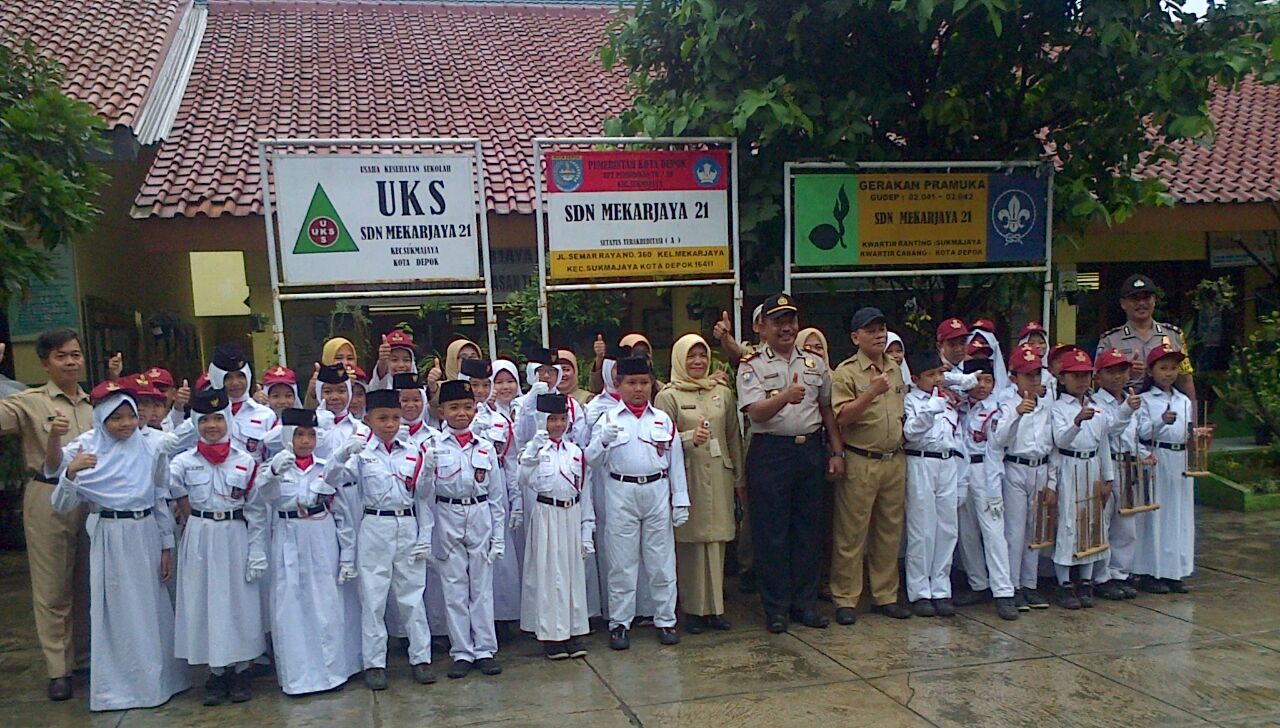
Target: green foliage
x=1251, y=384
x=576, y=317
x=48, y=186
x=1104, y=84
x=1258, y=470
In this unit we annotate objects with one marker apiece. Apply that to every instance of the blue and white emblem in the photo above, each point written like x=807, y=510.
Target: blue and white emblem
x=567, y=173
x=706, y=172
x=1013, y=215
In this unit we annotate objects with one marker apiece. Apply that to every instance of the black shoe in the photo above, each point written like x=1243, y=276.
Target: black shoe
x=1067, y=598
x=1084, y=593
x=971, y=598
x=1128, y=591
x=576, y=647
x=1110, y=590
x=892, y=610
x=1020, y=600
x=846, y=616
x=810, y=618
x=241, y=692
x=923, y=608
x=216, y=690
x=642, y=621
x=60, y=689
x=460, y=668
x=694, y=624
x=422, y=673
x=375, y=678
x=1035, y=600
x=1006, y=608
x=1152, y=585
x=667, y=635
x=944, y=608
x=747, y=582
x=1176, y=586
x=555, y=650
x=440, y=645
x=261, y=669
x=776, y=623
x=489, y=666
x=717, y=622
x=618, y=639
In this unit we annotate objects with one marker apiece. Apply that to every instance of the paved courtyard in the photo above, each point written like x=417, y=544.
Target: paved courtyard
x=1211, y=657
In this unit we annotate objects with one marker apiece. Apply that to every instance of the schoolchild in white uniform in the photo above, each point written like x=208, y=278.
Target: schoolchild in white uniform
x=394, y=537
x=1024, y=435
x=176, y=398
x=1111, y=373
x=359, y=389
x=1081, y=435
x=250, y=422
x=280, y=386
x=1037, y=336
x=131, y=540
x=561, y=532
x=645, y=498
x=1165, y=554
x=414, y=423
x=542, y=374
x=396, y=355
x=597, y=564
x=313, y=553
x=222, y=555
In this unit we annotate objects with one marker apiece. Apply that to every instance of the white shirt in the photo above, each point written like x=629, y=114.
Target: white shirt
x=250, y=423
x=1029, y=435
x=1090, y=435
x=647, y=445
x=391, y=476
x=470, y=471
x=930, y=423
x=298, y=490
x=558, y=470
x=227, y=486
x=1155, y=403
x=1122, y=424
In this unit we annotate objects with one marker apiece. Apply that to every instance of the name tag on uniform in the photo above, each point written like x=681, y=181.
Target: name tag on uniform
x=714, y=446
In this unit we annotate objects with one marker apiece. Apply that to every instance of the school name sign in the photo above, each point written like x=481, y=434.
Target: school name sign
x=637, y=214
x=376, y=218
x=905, y=218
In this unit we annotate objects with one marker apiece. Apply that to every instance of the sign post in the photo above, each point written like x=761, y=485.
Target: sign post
x=660, y=216
x=356, y=220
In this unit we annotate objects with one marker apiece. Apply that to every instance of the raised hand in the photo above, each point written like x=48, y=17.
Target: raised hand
x=1170, y=416
x=1134, y=401
x=115, y=365
x=794, y=394
x=82, y=461
x=384, y=350
x=879, y=384
x=702, y=434
x=723, y=327
x=182, y=396
x=598, y=347
x=59, y=425
x=1027, y=405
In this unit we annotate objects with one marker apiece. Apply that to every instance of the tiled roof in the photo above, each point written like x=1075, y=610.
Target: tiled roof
x=1243, y=162
x=111, y=49
x=502, y=73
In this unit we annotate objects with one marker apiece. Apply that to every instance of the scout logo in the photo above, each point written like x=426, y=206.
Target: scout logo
x=322, y=230
x=706, y=172
x=566, y=173
x=1013, y=215
x=1080, y=356
x=827, y=236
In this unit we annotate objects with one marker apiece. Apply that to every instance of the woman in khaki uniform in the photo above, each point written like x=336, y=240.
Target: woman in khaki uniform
x=706, y=414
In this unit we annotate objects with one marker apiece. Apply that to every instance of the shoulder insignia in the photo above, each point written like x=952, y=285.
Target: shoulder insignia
x=1172, y=327
x=1109, y=332
x=748, y=357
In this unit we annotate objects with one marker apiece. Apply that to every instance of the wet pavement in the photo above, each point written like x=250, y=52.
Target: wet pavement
x=1210, y=657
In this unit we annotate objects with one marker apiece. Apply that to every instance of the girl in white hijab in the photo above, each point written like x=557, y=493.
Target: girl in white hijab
x=899, y=355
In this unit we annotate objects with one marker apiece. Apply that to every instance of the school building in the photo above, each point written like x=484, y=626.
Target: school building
x=178, y=261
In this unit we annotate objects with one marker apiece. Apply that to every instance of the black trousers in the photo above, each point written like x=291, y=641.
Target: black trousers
x=784, y=485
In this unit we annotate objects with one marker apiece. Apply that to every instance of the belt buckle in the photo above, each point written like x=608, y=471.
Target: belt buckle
x=140, y=514
x=885, y=456
x=219, y=515
x=801, y=439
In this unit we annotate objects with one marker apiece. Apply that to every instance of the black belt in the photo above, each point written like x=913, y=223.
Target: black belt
x=302, y=512
x=639, y=479
x=1078, y=454
x=236, y=515
x=1029, y=462
x=124, y=514
x=42, y=479
x=871, y=454
x=1174, y=446
x=790, y=439
x=473, y=500
x=975, y=459
x=928, y=454
x=398, y=512
x=558, y=503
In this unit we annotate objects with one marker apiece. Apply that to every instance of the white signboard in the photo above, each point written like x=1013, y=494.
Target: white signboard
x=376, y=218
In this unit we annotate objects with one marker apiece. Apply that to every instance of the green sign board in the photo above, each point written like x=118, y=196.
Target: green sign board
x=48, y=304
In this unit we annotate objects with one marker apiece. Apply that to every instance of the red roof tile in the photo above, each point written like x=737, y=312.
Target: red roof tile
x=1243, y=163
x=269, y=70
x=111, y=49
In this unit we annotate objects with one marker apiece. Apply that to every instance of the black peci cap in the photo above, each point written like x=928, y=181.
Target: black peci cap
x=542, y=355
x=295, y=417
x=865, y=316
x=332, y=374
x=923, y=360
x=228, y=357
x=208, y=401
x=405, y=380
x=553, y=404
x=381, y=399
x=633, y=365
x=455, y=389
x=476, y=368
x=975, y=366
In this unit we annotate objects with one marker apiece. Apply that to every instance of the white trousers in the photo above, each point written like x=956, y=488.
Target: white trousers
x=1122, y=534
x=1020, y=486
x=382, y=559
x=638, y=535
x=983, y=549
x=463, y=534
x=931, y=526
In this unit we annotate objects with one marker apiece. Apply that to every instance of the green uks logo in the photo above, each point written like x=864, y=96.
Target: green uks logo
x=322, y=230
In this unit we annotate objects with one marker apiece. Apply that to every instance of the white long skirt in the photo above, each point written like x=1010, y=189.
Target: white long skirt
x=1073, y=474
x=554, y=603
x=131, y=649
x=219, y=614
x=307, y=627
x=1167, y=536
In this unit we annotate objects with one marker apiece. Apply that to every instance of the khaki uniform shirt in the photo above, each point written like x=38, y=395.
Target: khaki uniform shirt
x=880, y=427
x=29, y=414
x=1131, y=343
x=712, y=469
x=767, y=373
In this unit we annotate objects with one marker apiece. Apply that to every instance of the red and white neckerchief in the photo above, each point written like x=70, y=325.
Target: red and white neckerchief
x=980, y=434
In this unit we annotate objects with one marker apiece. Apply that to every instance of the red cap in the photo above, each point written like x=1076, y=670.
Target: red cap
x=139, y=385
x=399, y=339
x=1075, y=359
x=1024, y=359
x=952, y=328
x=279, y=375
x=1162, y=351
x=1112, y=357
x=1059, y=350
x=104, y=390
x=1032, y=327
x=357, y=375
x=159, y=377
x=986, y=325
x=979, y=345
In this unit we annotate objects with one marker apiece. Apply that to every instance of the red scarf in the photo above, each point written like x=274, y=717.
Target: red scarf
x=464, y=439
x=235, y=408
x=215, y=454
x=638, y=411
x=304, y=463
x=413, y=429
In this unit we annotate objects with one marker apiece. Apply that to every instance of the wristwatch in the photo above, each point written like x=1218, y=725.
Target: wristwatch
x=836, y=453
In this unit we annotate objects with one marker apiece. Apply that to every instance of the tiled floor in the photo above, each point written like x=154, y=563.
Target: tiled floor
x=1208, y=657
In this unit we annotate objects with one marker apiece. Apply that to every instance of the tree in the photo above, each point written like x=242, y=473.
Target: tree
x=576, y=317
x=47, y=183
x=1103, y=87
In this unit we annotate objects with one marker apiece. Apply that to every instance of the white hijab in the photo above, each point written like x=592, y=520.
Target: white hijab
x=345, y=410
x=606, y=373
x=531, y=374
x=504, y=365
x=906, y=370
x=217, y=379
x=997, y=356
x=122, y=479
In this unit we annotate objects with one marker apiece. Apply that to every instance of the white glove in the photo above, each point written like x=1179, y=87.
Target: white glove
x=995, y=506
x=169, y=443
x=540, y=438
x=515, y=519
x=588, y=547
x=539, y=387
x=351, y=447
x=496, y=550
x=679, y=515
x=255, y=568
x=610, y=433
x=419, y=552
x=346, y=572
x=937, y=404
x=283, y=461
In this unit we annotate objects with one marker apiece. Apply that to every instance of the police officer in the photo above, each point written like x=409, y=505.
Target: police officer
x=786, y=393
x=1141, y=333
x=867, y=393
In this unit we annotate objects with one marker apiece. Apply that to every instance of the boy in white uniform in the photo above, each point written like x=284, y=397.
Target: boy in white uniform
x=1111, y=373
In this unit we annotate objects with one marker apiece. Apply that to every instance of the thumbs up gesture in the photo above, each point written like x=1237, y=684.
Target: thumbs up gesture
x=384, y=350
x=879, y=384
x=434, y=375
x=598, y=347
x=1170, y=416
x=723, y=327
x=59, y=425
x=1134, y=400
x=115, y=365
x=794, y=394
x=702, y=434
x=183, y=395
x=1028, y=404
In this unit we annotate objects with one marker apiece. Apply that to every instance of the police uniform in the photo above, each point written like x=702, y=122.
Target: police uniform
x=786, y=465
x=1132, y=344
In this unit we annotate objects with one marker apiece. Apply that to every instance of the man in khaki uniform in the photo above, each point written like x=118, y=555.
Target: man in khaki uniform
x=57, y=546
x=1141, y=333
x=867, y=394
